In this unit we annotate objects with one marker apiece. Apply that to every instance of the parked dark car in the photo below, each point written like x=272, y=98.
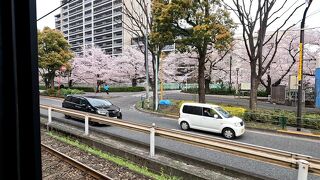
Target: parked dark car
x=91, y=105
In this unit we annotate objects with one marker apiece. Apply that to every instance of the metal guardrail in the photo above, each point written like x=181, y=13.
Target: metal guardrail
x=287, y=159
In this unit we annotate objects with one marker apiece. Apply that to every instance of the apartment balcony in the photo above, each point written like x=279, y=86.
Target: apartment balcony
x=88, y=36
x=76, y=25
x=102, y=24
x=75, y=4
x=75, y=38
x=75, y=19
x=117, y=36
x=117, y=13
x=88, y=15
x=75, y=32
x=117, y=51
x=88, y=29
x=76, y=12
x=117, y=29
x=86, y=22
x=100, y=10
x=101, y=2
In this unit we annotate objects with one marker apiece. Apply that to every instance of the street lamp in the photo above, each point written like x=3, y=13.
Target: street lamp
x=300, y=68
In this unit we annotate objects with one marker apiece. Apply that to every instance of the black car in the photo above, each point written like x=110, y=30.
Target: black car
x=91, y=105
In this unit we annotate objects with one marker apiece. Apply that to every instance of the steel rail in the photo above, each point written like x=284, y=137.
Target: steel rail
x=269, y=155
x=75, y=163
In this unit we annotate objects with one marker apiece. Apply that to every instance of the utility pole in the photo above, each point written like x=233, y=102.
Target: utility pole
x=230, y=83
x=237, y=89
x=300, y=68
x=161, y=75
x=146, y=55
x=156, y=103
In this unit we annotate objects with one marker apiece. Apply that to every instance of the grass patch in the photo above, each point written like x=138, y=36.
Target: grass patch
x=115, y=159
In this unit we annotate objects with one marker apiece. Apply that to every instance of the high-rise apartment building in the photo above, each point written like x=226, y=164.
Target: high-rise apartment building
x=88, y=22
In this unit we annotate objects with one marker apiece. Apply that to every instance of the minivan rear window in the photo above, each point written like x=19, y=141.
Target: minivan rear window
x=192, y=110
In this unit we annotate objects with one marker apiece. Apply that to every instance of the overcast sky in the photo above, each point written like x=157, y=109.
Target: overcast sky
x=45, y=6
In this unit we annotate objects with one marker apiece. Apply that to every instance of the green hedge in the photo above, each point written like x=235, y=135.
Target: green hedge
x=111, y=89
x=224, y=91
x=311, y=121
x=63, y=92
x=124, y=89
x=85, y=89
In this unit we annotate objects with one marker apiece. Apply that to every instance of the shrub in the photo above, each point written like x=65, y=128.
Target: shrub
x=223, y=91
x=63, y=92
x=190, y=90
x=85, y=89
x=262, y=94
x=235, y=111
x=124, y=89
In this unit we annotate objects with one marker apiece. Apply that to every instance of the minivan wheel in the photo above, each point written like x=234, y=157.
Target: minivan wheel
x=228, y=133
x=184, y=125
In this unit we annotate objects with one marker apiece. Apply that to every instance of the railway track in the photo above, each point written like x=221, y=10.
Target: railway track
x=89, y=172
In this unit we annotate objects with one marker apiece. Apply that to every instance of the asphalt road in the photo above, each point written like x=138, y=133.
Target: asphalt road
x=283, y=142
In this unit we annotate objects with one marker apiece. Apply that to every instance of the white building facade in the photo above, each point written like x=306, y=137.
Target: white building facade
x=88, y=22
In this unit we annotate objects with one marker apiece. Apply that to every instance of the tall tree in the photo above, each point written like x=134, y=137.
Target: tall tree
x=138, y=20
x=196, y=25
x=93, y=63
x=53, y=52
x=259, y=16
x=129, y=66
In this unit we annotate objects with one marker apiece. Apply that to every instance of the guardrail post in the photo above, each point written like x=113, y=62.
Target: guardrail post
x=86, y=125
x=152, y=133
x=49, y=117
x=303, y=169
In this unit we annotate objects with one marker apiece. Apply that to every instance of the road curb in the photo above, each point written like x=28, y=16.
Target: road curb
x=285, y=132
x=302, y=134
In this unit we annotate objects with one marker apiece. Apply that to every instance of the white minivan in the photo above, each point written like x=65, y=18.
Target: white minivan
x=212, y=118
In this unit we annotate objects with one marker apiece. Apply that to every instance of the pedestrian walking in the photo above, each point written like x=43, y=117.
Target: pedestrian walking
x=106, y=88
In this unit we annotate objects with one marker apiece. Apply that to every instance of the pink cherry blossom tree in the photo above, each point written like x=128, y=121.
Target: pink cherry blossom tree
x=284, y=63
x=91, y=66
x=180, y=67
x=128, y=67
